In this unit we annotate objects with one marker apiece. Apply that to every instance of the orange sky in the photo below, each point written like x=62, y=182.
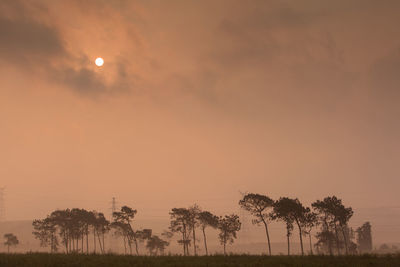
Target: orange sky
x=197, y=101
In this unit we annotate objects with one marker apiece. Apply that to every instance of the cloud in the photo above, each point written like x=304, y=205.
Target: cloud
x=384, y=76
x=38, y=48
x=24, y=42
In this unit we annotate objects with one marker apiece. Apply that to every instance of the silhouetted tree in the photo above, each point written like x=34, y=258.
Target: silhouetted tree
x=120, y=230
x=45, y=231
x=206, y=219
x=194, y=212
x=62, y=219
x=181, y=223
x=123, y=219
x=228, y=227
x=283, y=212
x=73, y=226
x=342, y=216
x=334, y=215
x=100, y=227
x=11, y=241
x=325, y=237
x=156, y=245
x=325, y=240
x=364, y=238
x=258, y=206
x=309, y=221
x=291, y=211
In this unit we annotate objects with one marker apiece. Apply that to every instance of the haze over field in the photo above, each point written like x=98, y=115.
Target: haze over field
x=198, y=101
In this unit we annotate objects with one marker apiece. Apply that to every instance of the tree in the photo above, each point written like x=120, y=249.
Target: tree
x=258, y=206
x=335, y=217
x=364, y=238
x=283, y=212
x=206, y=219
x=342, y=216
x=309, y=221
x=292, y=211
x=123, y=219
x=325, y=240
x=326, y=237
x=228, y=227
x=194, y=212
x=73, y=226
x=100, y=227
x=63, y=221
x=156, y=245
x=181, y=223
x=45, y=231
x=11, y=241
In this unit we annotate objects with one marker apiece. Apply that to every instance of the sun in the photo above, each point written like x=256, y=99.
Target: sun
x=99, y=61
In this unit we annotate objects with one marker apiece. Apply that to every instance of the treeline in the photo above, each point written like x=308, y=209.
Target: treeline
x=329, y=216
x=82, y=231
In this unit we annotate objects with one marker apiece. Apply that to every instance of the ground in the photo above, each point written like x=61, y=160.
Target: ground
x=59, y=260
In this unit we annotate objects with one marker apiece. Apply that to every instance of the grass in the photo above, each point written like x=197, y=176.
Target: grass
x=60, y=260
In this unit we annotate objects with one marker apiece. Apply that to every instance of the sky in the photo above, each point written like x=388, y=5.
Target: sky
x=199, y=102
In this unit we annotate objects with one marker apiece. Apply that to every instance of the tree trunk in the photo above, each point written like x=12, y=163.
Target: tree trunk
x=183, y=244
x=125, y=244
x=66, y=242
x=267, y=233
x=94, y=240
x=337, y=239
x=51, y=243
x=224, y=248
x=101, y=247
x=329, y=240
x=301, y=238
x=136, y=246
x=87, y=239
x=288, y=243
x=104, y=246
x=130, y=245
x=194, y=241
x=345, y=239
x=205, y=240
x=309, y=235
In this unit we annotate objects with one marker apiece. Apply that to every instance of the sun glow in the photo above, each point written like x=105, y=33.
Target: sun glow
x=99, y=61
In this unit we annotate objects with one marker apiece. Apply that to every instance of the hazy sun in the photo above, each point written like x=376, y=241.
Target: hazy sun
x=99, y=61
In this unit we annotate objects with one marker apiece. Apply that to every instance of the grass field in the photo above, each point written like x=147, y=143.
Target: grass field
x=59, y=260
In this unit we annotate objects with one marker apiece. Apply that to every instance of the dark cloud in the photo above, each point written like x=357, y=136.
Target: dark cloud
x=27, y=41
x=39, y=49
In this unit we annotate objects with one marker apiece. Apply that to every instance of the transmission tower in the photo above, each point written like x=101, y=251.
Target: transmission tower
x=2, y=205
x=113, y=206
